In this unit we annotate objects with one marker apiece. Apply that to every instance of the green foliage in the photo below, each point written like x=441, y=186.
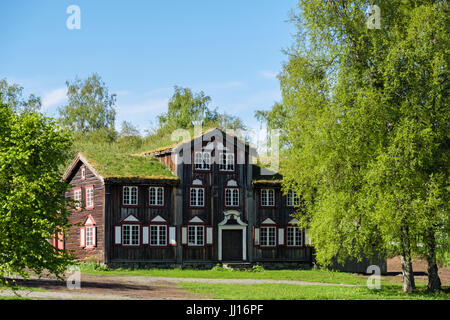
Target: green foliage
x=218, y=267
x=257, y=268
x=186, y=108
x=365, y=114
x=11, y=95
x=90, y=107
x=33, y=207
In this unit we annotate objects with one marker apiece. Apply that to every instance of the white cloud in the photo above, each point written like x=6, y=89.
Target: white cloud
x=150, y=107
x=53, y=98
x=268, y=74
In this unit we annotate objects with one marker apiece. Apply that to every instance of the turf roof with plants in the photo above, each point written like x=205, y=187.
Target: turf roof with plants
x=112, y=162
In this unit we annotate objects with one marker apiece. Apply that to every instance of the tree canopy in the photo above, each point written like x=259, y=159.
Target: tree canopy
x=365, y=112
x=33, y=207
x=90, y=107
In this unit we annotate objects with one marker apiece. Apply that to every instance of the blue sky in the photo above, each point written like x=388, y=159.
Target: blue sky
x=229, y=49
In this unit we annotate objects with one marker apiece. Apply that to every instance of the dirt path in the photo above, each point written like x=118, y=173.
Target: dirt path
x=104, y=288
x=130, y=287
x=420, y=270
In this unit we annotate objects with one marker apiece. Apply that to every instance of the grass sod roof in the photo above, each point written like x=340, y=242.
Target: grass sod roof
x=120, y=165
x=269, y=176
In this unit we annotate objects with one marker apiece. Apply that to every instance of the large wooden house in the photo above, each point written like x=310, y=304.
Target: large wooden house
x=193, y=204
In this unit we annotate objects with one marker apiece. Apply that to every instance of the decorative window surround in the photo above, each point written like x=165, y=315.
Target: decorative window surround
x=88, y=234
x=239, y=226
x=129, y=232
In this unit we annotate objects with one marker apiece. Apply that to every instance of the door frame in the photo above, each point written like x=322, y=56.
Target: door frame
x=240, y=226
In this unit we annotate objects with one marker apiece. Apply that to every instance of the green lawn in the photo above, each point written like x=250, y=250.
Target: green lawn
x=305, y=292
x=219, y=273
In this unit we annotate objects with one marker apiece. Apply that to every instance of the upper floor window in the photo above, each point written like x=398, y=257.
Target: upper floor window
x=156, y=196
x=293, y=200
x=77, y=198
x=83, y=173
x=226, y=162
x=130, y=196
x=202, y=160
x=267, y=197
x=197, y=194
x=90, y=197
x=232, y=194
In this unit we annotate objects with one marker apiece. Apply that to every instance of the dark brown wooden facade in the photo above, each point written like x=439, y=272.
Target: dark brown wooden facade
x=201, y=235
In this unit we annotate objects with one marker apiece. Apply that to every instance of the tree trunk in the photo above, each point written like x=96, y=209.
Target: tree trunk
x=407, y=269
x=434, y=282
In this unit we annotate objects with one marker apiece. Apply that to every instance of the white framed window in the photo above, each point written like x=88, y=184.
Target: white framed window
x=197, y=196
x=131, y=234
x=158, y=235
x=202, y=160
x=156, y=196
x=130, y=196
x=196, y=235
x=83, y=173
x=267, y=236
x=294, y=237
x=89, y=236
x=77, y=198
x=267, y=197
x=232, y=197
x=90, y=197
x=226, y=162
x=293, y=200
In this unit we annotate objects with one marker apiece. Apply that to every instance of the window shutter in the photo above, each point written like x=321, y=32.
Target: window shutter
x=281, y=236
x=94, y=236
x=256, y=236
x=209, y=235
x=82, y=237
x=172, y=236
x=144, y=235
x=118, y=235
x=183, y=235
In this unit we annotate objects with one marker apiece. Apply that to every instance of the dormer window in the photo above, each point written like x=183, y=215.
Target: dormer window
x=226, y=162
x=202, y=160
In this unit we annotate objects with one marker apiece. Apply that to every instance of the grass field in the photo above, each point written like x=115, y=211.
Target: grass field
x=221, y=273
x=306, y=292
